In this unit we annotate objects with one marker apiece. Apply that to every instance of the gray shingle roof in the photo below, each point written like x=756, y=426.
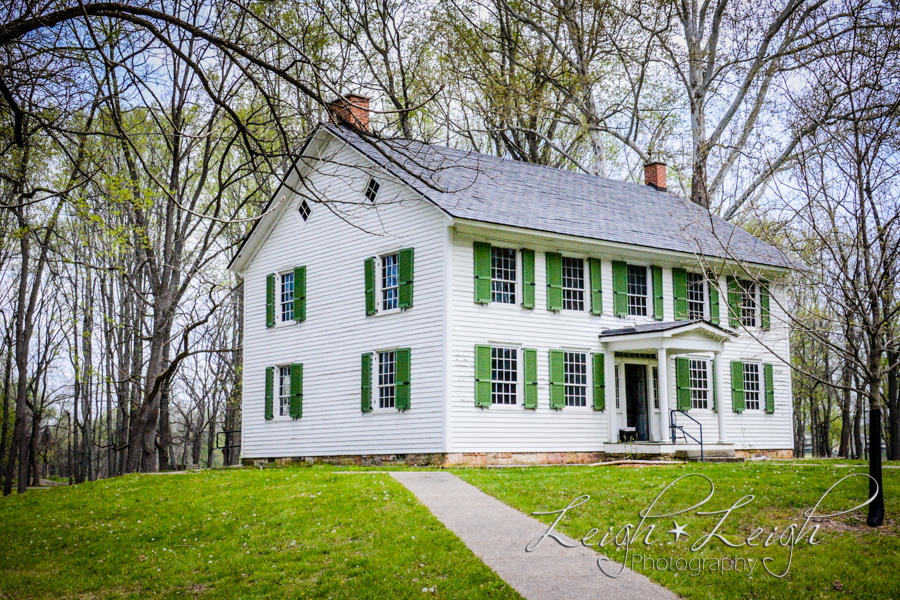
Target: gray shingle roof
x=484, y=188
x=657, y=327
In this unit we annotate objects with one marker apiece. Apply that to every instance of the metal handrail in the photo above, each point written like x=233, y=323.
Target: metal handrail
x=227, y=446
x=673, y=426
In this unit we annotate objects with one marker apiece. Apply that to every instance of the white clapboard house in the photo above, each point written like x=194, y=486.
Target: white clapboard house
x=466, y=309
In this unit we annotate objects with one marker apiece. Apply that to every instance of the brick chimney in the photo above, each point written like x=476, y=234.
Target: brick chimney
x=655, y=175
x=352, y=109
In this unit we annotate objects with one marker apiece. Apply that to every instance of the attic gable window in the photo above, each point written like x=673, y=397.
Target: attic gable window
x=304, y=210
x=372, y=188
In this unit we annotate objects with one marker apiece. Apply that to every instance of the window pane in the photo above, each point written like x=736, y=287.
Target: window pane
x=575, y=378
x=654, y=383
x=503, y=275
x=637, y=291
x=372, y=188
x=387, y=373
x=390, y=290
x=748, y=304
x=696, y=299
x=751, y=386
x=287, y=296
x=699, y=384
x=573, y=283
x=284, y=391
x=504, y=375
x=304, y=210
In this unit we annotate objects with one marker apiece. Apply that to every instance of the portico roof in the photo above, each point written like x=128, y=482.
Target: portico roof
x=696, y=335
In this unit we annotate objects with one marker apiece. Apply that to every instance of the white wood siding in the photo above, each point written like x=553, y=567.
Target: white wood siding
x=337, y=331
x=502, y=429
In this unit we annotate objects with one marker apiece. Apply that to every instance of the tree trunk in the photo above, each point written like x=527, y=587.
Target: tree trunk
x=87, y=345
x=18, y=447
x=893, y=402
x=7, y=377
x=846, y=416
x=33, y=447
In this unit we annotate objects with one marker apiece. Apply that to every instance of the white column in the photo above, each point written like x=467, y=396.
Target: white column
x=609, y=364
x=721, y=399
x=662, y=359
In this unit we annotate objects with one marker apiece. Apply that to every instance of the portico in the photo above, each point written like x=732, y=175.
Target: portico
x=639, y=412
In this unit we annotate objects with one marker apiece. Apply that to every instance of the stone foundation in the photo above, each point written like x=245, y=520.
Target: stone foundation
x=767, y=453
x=478, y=459
x=453, y=459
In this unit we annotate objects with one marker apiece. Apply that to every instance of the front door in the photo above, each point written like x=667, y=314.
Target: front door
x=636, y=401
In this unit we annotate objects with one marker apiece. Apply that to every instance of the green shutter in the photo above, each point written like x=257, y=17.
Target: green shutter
x=596, y=286
x=657, y=293
x=715, y=389
x=270, y=300
x=734, y=303
x=270, y=383
x=599, y=383
x=712, y=285
x=483, y=376
x=770, y=389
x=531, y=378
x=764, y=305
x=554, y=281
x=366, y=387
x=370, y=286
x=683, y=383
x=527, y=278
x=300, y=294
x=557, y=380
x=737, y=386
x=482, y=272
x=405, y=277
x=679, y=291
x=296, y=391
x=401, y=385
x=620, y=288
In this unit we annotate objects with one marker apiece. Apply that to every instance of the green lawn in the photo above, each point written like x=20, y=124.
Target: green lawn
x=861, y=561
x=251, y=533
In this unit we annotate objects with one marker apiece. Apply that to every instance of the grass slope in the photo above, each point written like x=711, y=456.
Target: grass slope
x=852, y=561
x=273, y=533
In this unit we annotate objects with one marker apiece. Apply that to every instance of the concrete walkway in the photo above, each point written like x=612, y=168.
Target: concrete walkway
x=498, y=534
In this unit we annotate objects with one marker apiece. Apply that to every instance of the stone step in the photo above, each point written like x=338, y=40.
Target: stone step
x=715, y=459
x=690, y=453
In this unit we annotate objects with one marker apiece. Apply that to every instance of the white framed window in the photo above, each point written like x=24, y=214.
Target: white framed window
x=699, y=371
x=286, y=304
x=638, y=291
x=573, y=283
x=616, y=369
x=503, y=275
x=575, y=377
x=696, y=296
x=284, y=391
x=372, y=187
x=387, y=379
x=748, y=304
x=304, y=210
x=504, y=375
x=390, y=281
x=654, y=386
x=752, y=386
